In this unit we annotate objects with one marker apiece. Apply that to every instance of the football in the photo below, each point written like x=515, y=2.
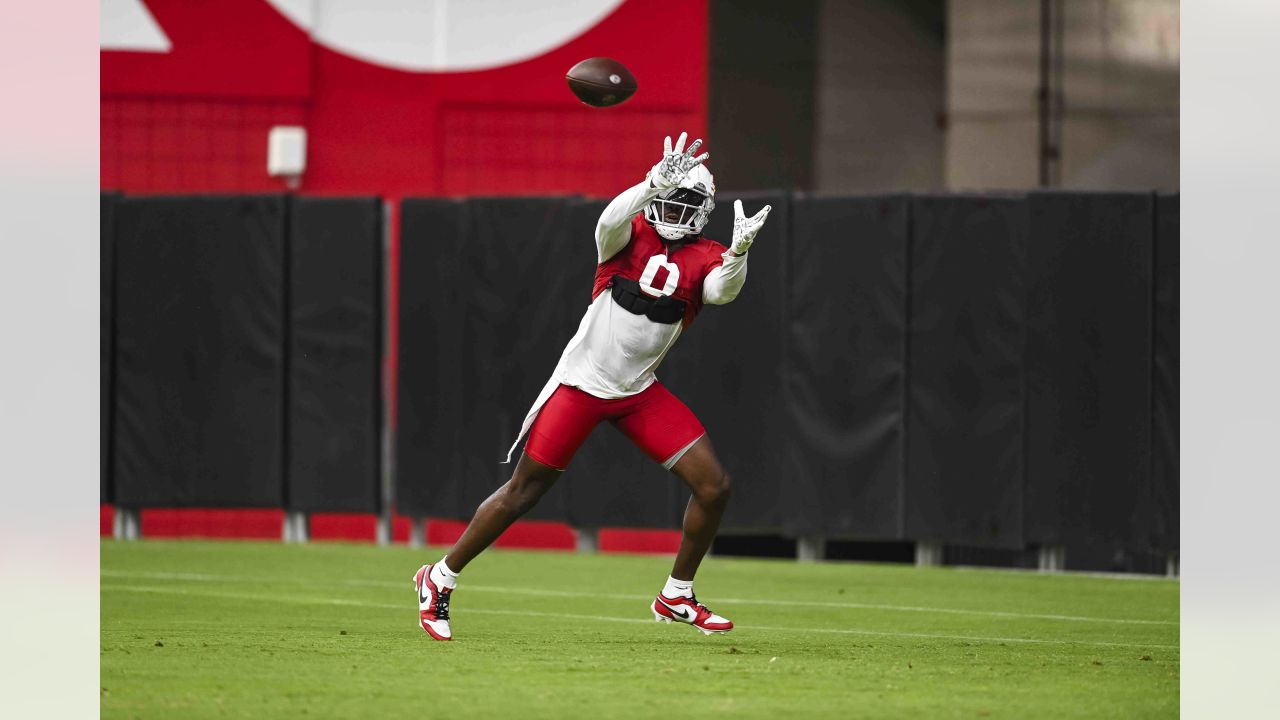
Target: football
x=601, y=81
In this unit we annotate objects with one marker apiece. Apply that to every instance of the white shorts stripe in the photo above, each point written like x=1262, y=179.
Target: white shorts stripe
x=671, y=461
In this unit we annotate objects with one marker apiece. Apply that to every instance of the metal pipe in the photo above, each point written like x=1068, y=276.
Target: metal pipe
x=1042, y=93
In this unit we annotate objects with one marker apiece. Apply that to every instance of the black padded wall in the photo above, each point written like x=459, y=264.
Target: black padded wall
x=970, y=370
x=491, y=290
x=1088, y=364
x=199, y=351
x=429, y=453
x=1165, y=400
x=334, y=355
x=844, y=375
x=106, y=360
x=526, y=280
x=964, y=437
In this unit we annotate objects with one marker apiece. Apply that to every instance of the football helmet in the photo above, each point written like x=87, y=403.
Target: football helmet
x=684, y=209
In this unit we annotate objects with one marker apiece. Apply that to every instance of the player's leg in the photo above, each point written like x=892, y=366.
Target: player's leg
x=530, y=481
x=669, y=433
x=706, y=479
x=562, y=425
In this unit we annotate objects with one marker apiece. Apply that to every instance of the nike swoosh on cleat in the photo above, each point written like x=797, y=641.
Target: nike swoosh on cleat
x=681, y=611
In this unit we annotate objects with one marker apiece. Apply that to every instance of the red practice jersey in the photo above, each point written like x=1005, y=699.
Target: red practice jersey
x=645, y=259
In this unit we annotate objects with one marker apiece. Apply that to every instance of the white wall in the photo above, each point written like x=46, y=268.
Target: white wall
x=879, y=93
x=1120, y=81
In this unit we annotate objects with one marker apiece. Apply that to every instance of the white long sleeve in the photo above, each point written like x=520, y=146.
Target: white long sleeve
x=724, y=283
x=613, y=230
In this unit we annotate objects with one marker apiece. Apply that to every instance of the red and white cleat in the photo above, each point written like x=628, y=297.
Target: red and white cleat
x=433, y=605
x=688, y=610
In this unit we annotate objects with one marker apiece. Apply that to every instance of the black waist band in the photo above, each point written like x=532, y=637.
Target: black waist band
x=627, y=293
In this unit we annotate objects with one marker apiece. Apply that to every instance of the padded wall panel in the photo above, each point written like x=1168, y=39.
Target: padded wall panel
x=844, y=374
x=199, y=346
x=106, y=358
x=964, y=428
x=524, y=278
x=490, y=291
x=429, y=405
x=1166, y=395
x=484, y=321
x=728, y=369
x=1088, y=364
x=335, y=352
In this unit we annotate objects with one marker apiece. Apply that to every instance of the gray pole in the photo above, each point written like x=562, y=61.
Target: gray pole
x=388, y=432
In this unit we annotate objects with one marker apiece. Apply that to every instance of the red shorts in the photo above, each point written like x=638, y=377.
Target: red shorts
x=654, y=419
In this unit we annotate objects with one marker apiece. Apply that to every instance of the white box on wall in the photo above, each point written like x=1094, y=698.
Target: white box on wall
x=286, y=151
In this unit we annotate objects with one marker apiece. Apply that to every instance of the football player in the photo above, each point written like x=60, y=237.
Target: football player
x=654, y=273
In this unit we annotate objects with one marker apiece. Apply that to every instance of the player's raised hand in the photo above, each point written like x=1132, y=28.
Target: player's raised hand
x=676, y=163
x=745, y=228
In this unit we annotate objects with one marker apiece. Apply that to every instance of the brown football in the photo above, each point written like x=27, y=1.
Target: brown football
x=601, y=81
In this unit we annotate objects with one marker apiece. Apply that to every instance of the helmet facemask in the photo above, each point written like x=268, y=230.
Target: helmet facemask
x=680, y=211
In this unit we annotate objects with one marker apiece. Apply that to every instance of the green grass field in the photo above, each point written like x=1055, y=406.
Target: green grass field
x=231, y=629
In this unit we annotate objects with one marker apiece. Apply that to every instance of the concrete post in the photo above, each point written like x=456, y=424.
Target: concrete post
x=1052, y=558
x=125, y=525
x=587, y=540
x=417, y=532
x=928, y=553
x=296, y=527
x=384, y=529
x=811, y=548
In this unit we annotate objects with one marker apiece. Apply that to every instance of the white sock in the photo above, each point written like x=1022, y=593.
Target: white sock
x=678, y=588
x=441, y=574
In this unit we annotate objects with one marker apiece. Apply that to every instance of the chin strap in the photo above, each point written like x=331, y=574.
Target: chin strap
x=687, y=236
x=687, y=239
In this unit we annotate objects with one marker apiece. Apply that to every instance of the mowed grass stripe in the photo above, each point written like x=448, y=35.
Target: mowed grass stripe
x=759, y=580
x=537, y=592
x=404, y=607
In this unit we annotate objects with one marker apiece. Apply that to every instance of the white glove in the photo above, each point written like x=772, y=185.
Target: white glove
x=676, y=164
x=745, y=228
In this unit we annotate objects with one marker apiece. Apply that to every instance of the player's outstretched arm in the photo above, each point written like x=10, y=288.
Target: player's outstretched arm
x=613, y=230
x=725, y=282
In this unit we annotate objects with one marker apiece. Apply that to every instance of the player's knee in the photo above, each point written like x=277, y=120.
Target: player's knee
x=725, y=488
x=716, y=489
x=524, y=490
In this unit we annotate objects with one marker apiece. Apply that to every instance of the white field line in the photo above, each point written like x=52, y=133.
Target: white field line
x=406, y=607
x=197, y=577
x=1095, y=574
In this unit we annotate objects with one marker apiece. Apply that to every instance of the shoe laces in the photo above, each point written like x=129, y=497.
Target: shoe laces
x=442, y=603
x=702, y=608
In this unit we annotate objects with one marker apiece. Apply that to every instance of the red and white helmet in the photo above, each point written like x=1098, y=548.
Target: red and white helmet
x=694, y=198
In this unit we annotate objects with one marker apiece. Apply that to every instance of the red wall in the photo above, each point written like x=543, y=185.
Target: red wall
x=195, y=119
x=266, y=523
